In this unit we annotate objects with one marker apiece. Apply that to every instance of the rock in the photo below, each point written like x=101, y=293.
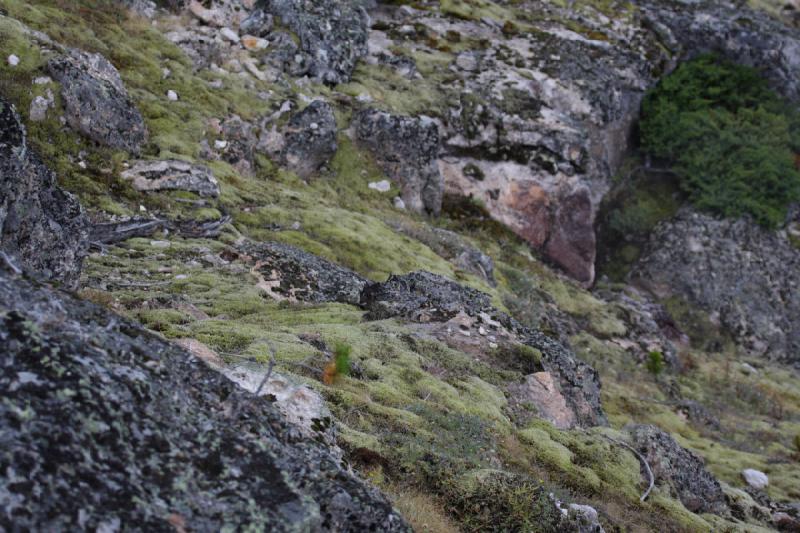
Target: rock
x=585, y=517
x=172, y=175
x=157, y=438
x=96, y=102
x=172, y=96
x=380, y=186
x=747, y=276
x=310, y=138
x=41, y=226
x=755, y=478
x=230, y=35
x=680, y=469
x=300, y=404
x=202, y=352
x=424, y=297
x=332, y=34
x=288, y=273
x=543, y=390
x=398, y=203
x=254, y=44
x=40, y=105
x=212, y=17
x=239, y=144
x=406, y=148
x=13, y=60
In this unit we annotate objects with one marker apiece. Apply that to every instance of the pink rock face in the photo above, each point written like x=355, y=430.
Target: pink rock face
x=542, y=390
x=554, y=214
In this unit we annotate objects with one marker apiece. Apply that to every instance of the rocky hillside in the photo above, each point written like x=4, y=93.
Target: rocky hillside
x=361, y=265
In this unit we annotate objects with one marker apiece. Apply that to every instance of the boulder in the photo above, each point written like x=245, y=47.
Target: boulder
x=172, y=175
x=331, y=34
x=310, y=139
x=41, y=226
x=96, y=102
x=406, y=148
x=680, y=469
x=743, y=275
x=755, y=478
x=564, y=379
x=157, y=440
x=288, y=273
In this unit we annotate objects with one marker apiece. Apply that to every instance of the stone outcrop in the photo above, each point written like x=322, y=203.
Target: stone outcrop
x=156, y=439
x=307, y=142
x=172, y=175
x=332, y=36
x=680, y=469
x=747, y=278
x=406, y=148
x=41, y=226
x=425, y=297
x=288, y=273
x=96, y=102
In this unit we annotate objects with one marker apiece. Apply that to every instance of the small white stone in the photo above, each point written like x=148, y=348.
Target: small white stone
x=143, y=209
x=165, y=73
x=364, y=98
x=82, y=164
x=296, y=226
x=493, y=345
x=380, y=186
x=748, y=369
x=172, y=96
x=220, y=145
x=230, y=35
x=314, y=126
x=482, y=330
x=399, y=203
x=42, y=80
x=160, y=244
x=13, y=60
x=755, y=478
x=181, y=276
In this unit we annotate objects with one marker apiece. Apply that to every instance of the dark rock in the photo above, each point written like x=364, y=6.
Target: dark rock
x=426, y=297
x=310, y=138
x=41, y=225
x=258, y=23
x=422, y=297
x=289, y=273
x=407, y=149
x=679, y=468
x=172, y=175
x=241, y=140
x=747, y=276
x=571, y=244
x=96, y=102
x=332, y=34
x=156, y=440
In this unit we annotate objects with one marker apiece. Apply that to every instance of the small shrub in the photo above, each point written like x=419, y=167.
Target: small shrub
x=339, y=364
x=728, y=137
x=655, y=363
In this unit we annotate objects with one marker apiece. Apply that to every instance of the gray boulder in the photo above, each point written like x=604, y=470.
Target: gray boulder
x=407, y=149
x=41, y=225
x=735, y=270
x=156, y=440
x=96, y=102
x=332, y=34
x=680, y=469
x=310, y=138
x=172, y=175
x=288, y=273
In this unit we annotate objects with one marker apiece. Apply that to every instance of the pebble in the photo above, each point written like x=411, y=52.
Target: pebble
x=380, y=186
x=230, y=35
x=755, y=478
x=220, y=145
x=160, y=244
x=172, y=96
x=13, y=60
x=254, y=43
x=399, y=203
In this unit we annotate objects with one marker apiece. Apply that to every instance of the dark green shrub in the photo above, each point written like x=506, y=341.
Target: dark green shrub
x=655, y=363
x=730, y=139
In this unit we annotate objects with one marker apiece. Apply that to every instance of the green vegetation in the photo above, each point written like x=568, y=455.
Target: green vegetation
x=731, y=141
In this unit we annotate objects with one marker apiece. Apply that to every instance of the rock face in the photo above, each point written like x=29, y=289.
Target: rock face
x=41, y=225
x=96, y=102
x=540, y=120
x=287, y=273
x=425, y=297
x=746, y=277
x=172, y=175
x=332, y=35
x=685, y=472
x=156, y=439
x=407, y=149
